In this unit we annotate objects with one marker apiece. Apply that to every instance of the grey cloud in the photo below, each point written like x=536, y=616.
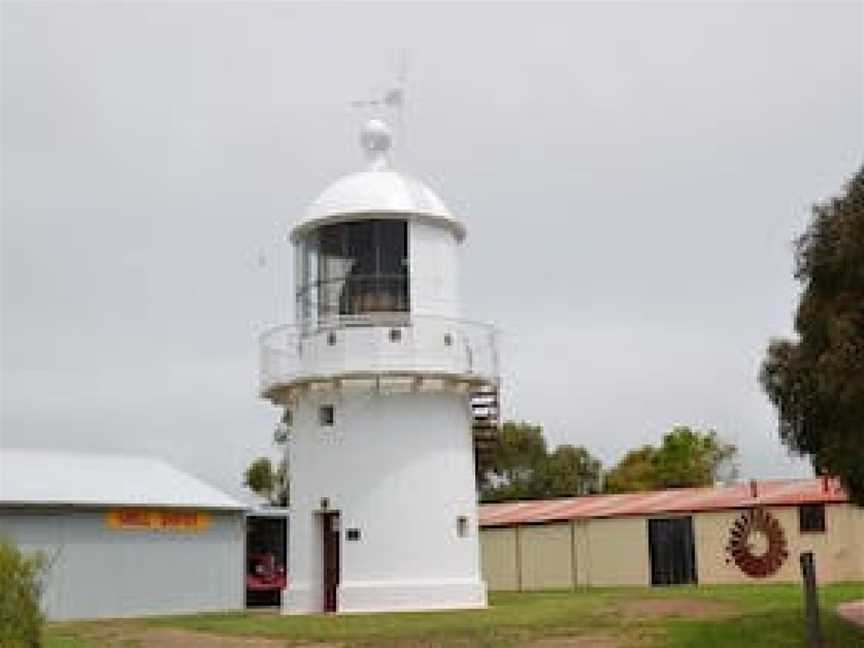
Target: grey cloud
x=631, y=176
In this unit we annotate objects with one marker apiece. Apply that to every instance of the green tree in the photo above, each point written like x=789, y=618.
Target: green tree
x=816, y=381
x=21, y=619
x=521, y=450
x=509, y=473
x=691, y=458
x=260, y=477
x=569, y=471
x=686, y=457
x=635, y=472
x=268, y=481
x=521, y=467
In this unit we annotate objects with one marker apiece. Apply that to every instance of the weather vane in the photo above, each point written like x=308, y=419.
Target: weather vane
x=393, y=98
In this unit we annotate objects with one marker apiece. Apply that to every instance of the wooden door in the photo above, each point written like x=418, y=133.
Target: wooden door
x=672, y=551
x=330, y=541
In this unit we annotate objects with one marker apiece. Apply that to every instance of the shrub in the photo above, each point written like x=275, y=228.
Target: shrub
x=21, y=576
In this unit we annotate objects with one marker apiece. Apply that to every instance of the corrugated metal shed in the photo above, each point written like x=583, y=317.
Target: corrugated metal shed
x=67, y=506
x=786, y=492
x=49, y=478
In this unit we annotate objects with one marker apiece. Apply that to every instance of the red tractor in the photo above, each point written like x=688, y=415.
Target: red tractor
x=266, y=559
x=264, y=573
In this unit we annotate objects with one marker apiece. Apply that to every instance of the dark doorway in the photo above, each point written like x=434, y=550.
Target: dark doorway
x=330, y=527
x=266, y=559
x=672, y=550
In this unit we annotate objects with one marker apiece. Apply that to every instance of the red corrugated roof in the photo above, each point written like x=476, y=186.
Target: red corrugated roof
x=780, y=492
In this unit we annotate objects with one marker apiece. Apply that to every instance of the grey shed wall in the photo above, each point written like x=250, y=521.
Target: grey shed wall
x=101, y=572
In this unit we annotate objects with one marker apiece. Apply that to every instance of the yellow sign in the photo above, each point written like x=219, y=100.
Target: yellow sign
x=157, y=519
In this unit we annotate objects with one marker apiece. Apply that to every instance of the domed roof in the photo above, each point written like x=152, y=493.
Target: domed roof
x=378, y=191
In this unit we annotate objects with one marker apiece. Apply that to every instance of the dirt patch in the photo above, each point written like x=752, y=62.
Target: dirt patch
x=853, y=612
x=123, y=635
x=107, y=634
x=674, y=607
x=171, y=638
x=585, y=641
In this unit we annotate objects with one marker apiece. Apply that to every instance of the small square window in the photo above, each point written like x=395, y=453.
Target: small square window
x=352, y=535
x=811, y=518
x=326, y=416
x=462, y=526
x=448, y=339
x=331, y=339
x=395, y=334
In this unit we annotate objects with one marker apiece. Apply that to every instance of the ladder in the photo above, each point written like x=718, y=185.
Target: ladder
x=485, y=422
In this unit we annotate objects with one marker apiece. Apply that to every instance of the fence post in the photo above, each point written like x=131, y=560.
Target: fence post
x=811, y=601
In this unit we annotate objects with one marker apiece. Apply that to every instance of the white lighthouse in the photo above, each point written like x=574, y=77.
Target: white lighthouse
x=388, y=393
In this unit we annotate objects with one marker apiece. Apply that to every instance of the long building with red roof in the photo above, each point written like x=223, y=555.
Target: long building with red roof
x=749, y=531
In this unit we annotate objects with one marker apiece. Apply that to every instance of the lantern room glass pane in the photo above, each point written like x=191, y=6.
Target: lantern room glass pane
x=354, y=268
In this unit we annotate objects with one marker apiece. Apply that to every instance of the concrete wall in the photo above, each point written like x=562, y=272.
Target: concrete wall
x=97, y=571
x=399, y=468
x=614, y=551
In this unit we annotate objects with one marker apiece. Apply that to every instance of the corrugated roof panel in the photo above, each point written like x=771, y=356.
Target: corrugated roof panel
x=784, y=492
x=46, y=478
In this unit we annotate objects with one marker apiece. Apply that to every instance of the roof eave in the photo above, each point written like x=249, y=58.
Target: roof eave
x=314, y=222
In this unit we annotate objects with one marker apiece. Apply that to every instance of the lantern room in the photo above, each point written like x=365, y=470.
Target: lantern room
x=353, y=268
x=376, y=287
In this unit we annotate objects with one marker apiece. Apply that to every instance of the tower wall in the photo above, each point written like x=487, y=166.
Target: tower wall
x=398, y=467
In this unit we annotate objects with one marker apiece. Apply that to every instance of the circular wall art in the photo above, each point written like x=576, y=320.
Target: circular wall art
x=757, y=543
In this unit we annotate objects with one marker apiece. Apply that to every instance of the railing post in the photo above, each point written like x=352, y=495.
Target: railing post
x=811, y=601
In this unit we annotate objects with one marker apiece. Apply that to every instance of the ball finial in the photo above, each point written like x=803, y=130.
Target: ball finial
x=375, y=138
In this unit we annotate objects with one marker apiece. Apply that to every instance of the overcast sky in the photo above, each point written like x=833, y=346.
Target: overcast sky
x=631, y=177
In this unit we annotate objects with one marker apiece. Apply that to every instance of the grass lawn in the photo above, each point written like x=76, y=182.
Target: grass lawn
x=676, y=617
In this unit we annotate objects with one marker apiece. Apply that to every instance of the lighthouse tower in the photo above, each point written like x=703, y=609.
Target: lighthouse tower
x=388, y=395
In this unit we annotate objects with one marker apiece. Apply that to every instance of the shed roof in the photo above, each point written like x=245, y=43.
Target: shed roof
x=783, y=492
x=50, y=478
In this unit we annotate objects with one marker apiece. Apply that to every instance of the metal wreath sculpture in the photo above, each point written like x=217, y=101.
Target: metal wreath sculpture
x=742, y=536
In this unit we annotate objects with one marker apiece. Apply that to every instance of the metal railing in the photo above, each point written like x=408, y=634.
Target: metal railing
x=394, y=343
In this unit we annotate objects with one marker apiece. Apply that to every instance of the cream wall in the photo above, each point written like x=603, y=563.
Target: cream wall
x=498, y=558
x=614, y=551
x=837, y=552
x=858, y=530
x=541, y=556
x=545, y=555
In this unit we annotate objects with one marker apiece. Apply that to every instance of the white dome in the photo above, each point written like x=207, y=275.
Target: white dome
x=382, y=192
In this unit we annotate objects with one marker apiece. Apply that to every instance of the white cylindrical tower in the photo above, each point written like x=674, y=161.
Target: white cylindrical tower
x=388, y=393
